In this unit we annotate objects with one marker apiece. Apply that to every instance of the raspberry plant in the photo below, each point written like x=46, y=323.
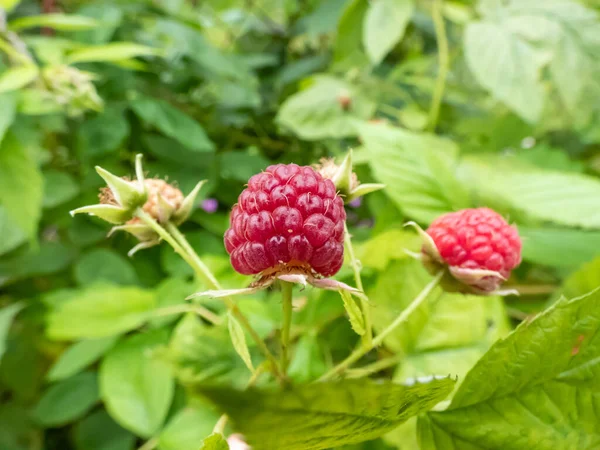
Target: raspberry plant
x=357, y=225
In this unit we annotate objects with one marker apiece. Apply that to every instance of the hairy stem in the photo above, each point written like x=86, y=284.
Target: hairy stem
x=404, y=315
x=443, y=63
x=180, y=244
x=286, y=297
x=364, y=304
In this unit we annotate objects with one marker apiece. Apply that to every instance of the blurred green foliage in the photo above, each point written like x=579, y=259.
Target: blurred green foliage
x=451, y=104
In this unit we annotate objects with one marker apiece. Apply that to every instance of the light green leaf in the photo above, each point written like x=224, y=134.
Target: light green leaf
x=173, y=123
x=20, y=185
x=115, y=51
x=307, y=363
x=17, y=77
x=324, y=415
x=508, y=66
x=215, y=441
x=8, y=113
x=569, y=199
x=384, y=26
x=7, y=315
x=104, y=265
x=238, y=338
x=418, y=170
x=559, y=247
x=390, y=245
x=59, y=187
x=62, y=22
x=136, y=385
x=318, y=111
x=580, y=282
x=67, y=400
x=9, y=5
x=523, y=396
x=99, y=432
x=12, y=235
x=357, y=321
x=79, y=356
x=188, y=428
x=99, y=311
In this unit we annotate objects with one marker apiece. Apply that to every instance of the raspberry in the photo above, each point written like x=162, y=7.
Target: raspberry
x=477, y=239
x=288, y=217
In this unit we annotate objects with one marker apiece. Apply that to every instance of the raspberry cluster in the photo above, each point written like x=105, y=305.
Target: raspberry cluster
x=477, y=239
x=288, y=217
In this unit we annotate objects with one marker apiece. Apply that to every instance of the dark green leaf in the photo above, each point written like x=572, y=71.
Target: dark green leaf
x=521, y=395
x=173, y=123
x=103, y=265
x=308, y=363
x=59, y=187
x=99, y=432
x=324, y=415
x=67, y=401
x=12, y=235
x=100, y=311
x=7, y=315
x=136, y=385
x=103, y=133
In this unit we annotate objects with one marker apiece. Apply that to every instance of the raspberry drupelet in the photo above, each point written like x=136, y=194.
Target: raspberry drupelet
x=289, y=218
x=472, y=241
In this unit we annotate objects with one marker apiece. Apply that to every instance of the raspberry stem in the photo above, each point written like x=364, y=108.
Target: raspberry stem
x=404, y=315
x=286, y=296
x=367, y=338
x=180, y=244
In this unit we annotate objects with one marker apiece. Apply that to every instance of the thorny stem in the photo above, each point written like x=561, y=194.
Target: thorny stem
x=443, y=64
x=180, y=244
x=209, y=279
x=364, y=304
x=286, y=297
x=404, y=315
x=200, y=310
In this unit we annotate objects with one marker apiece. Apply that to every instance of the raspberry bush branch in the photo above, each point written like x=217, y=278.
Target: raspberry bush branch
x=378, y=340
x=367, y=338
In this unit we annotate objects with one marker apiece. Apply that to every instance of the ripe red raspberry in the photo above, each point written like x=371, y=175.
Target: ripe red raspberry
x=287, y=217
x=477, y=239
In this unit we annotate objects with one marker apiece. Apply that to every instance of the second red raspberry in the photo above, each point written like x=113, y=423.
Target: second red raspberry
x=288, y=216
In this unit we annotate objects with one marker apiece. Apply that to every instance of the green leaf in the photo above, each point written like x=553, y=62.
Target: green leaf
x=79, y=356
x=357, y=321
x=563, y=198
x=307, y=363
x=67, y=401
x=171, y=292
x=100, y=311
x=99, y=432
x=507, y=66
x=390, y=245
x=324, y=415
x=18, y=431
x=238, y=338
x=385, y=23
x=187, y=429
x=103, y=265
x=580, y=282
x=12, y=235
x=8, y=114
x=136, y=386
x=59, y=187
x=18, y=77
x=113, y=52
x=7, y=315
x=173, y=123
x=215, y=441
x=104, y=133
x=318, y=111
x=523, y=396
x=20, y=185
x=62, y=22
x=348, y=50
x=9, y=5
x=418, y=170
x=559, y=247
